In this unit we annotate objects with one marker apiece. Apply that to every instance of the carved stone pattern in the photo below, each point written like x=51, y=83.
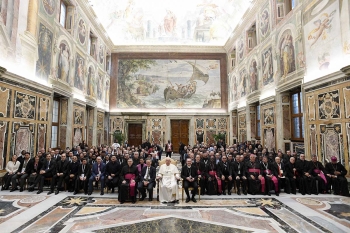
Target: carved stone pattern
x=328, y=104
x=24, y=106
x=234, y=126
x=79, y=116
x=313, y=140
x=3, y=143
x=269, y=116
x=64, y=111
x=156, y=124
x=199, y=123
x=5, y=101
x=210, y=136
x=100, y=119
x=63, y=136
x=253, y=124
x=211, y=123
x=242, y=121
x=311, y=107
x=41, y=136
x=43, y=109
x=157, y=136
x=269, y=136
x=285, y=99
x=117, y=124
x=222, y=123
x=91, y=117
x=330, y=141
x=22, y=138
x=346, y=91
x=286, y=122
x=242, y=135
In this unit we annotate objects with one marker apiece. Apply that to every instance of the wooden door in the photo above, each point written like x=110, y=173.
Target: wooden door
x=135, y=135
x=179, y=133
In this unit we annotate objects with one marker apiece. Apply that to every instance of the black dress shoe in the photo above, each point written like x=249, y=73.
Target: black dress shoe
x=150, y=199
x=75, y=193
x=40, y=191
x=142, y=198
x=223, y=193
x=21, y=189
x=121, y=202
x=12, y=190
x=277, y=194
x=194, y=199
x=31, y=187
x=245, y=193
x=187, y=200
x=49, y=192
x=102, y=193
x=57, y=192
x=89, y=193
x=164, y=202
x=229, y=193
x=86, y=193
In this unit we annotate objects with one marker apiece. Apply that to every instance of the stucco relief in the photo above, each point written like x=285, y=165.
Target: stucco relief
x=346, y=91
x=222, y=123
x=43, y=109
x=313, y=139
x=269, y=116
x=242, y=120
x=210, y=124
x=199, y=123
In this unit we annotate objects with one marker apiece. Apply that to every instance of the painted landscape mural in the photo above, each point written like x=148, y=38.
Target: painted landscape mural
x=145, y=83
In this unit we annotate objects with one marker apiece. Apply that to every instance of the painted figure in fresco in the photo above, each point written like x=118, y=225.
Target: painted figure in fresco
x=100, y=87
x=107, y=92
x=267, y=67
x=169, y=22
x=323, y=23
x=287, y=55
x=240, y=49
x=63, y=62
x=91, y=82
x=79, y=76
x=264, y=23
x=253, y=74
x=44, y=50
x=82, y=31
x=243, y=83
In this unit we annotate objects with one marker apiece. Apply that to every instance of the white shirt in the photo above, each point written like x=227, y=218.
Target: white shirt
x=12, y=167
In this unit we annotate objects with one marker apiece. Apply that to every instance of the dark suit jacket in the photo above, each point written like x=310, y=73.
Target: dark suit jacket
x=199, y=166
x=113, y=168
x=289, y=170
x=51, y=169
x=186, y=172
x=73, y=168
x=241, y=169
x=87, y=170
x=152, y=174
x=225, y=170
x=282, y=168
x=94, y=170
x=21, y=166
x=62, y=167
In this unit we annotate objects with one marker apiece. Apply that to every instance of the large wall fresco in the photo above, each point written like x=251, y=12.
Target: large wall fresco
x=170, y=22
x=174, y=84
x=322, y=34
x=45, y=40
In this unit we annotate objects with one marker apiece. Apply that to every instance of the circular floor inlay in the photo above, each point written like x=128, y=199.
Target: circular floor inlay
x=308, y=201
x=33, y=199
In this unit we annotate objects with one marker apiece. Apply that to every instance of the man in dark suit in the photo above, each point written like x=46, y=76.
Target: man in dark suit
x=112, y=173
x=82, y=177
x=226, y=171
x=189, y=176
x=239, y=173
x=97, y=174
x=147, y=180
x=47, y=170
x=62, y=167
x=72, y=173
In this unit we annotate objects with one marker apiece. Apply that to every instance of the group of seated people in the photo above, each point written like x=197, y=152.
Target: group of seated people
x=212, y=169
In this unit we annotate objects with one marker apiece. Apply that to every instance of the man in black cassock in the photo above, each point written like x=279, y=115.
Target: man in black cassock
x=128, y=182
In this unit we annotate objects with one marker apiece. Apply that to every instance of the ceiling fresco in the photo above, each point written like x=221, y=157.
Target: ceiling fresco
x=169, y=22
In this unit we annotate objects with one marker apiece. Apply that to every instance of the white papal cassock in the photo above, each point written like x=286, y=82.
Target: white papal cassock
x=168, y=188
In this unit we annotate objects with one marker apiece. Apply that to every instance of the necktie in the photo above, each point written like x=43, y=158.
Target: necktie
x=48, y=165
x=147, y=174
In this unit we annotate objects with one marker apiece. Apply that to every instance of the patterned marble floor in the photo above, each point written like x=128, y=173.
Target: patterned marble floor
x=66, y=213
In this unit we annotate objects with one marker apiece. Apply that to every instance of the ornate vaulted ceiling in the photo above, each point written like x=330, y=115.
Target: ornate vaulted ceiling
x=169, y=22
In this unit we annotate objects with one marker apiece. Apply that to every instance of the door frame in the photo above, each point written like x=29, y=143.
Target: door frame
x=190, y=128
x=135, y=121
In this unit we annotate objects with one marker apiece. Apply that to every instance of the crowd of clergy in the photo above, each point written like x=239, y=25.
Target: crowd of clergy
x=245, y=168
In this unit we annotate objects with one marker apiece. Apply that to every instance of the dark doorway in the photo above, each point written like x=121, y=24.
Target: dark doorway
x=135, y=134
x=179, y=133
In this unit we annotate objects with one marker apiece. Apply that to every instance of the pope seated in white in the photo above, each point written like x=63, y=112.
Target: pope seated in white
x=168, y=176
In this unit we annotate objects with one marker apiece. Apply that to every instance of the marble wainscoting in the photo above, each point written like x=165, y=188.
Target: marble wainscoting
x=65, y=213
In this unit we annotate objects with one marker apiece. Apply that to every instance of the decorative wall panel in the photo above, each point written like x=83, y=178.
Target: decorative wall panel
x=269, y=116
x=253, y=124
x=3, y=143
x=62, y=136
x=222, y=123
x=328, y=104
x=332, y=141
x=313, y=140
x=43, y=109
x=25, y=106
x=311, y=107
x=64, y=111
x=210, y=124
x=234, y=124
x=269, y=137
x=22, y=138
x=41, y=139
x=78, y=136
x=210, y=136
x=100, y=120
x=5, y=101
x=346, y=91
x=199, y=123
x=286, y=122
